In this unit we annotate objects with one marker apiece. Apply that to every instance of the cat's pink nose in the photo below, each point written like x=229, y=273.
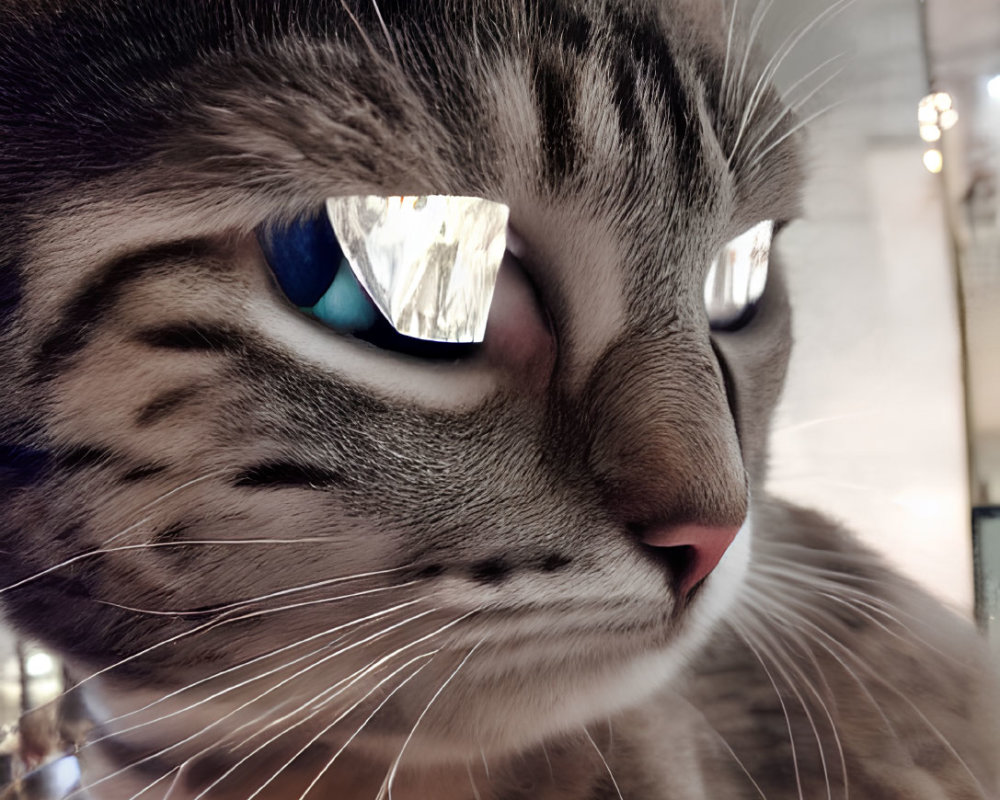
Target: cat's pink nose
x=692, y=551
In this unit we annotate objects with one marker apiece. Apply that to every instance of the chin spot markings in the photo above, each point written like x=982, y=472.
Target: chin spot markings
x=555, y=562
x=430, y=571
x=491, y=571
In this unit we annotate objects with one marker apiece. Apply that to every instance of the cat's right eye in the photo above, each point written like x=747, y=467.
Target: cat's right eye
x=738, y=277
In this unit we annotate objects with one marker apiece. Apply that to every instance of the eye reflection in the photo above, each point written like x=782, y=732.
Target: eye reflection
x=738, y=277
x=429, y=263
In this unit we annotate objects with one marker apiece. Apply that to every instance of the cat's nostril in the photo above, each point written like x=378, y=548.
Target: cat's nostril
x=689, y=551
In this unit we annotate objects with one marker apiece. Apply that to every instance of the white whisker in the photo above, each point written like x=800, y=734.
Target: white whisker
x=261, y=598
x=330, y=694
x=388, y=37
x=391, y=776
x=250, y=702
x=368, y=719
x=781, y=701
x=268, y=655
x=605, y=762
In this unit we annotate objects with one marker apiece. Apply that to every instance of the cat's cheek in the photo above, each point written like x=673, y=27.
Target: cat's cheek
x=518, y=338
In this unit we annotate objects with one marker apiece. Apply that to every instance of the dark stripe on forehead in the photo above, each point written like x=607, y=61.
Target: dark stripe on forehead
x=655, y=61
x=625, y=95
x=567, y=24
x=555, y=96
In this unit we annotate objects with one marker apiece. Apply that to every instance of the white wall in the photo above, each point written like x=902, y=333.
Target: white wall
x=871, y=429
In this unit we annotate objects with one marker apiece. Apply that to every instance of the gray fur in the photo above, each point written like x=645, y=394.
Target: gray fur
x=192, y=451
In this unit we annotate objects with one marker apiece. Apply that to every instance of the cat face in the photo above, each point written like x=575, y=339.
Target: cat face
x=233, y=489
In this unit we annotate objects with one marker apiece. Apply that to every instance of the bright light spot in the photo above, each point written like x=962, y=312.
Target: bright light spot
x=39, y=665
x=930, y=133
x=993, y=87
x=927, y=114
x=943, y=101
x=934, y=161
x=949, y=119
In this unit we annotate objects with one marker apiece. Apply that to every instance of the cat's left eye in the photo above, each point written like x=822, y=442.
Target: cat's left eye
x=414, y=275
x=738, y=277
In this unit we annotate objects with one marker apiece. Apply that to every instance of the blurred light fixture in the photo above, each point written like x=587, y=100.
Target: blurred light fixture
x=936, y=113
x=930, y=133
x=39, y=665
x=993, y=87
x=949, y=119
x=942, y=101
x=934, y=161
x=926, y=113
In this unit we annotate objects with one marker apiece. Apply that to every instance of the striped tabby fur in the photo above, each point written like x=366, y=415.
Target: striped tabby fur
x=286, y=564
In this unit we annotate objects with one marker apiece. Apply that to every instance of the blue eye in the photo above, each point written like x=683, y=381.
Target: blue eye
x=314, y=275
x=312, y=271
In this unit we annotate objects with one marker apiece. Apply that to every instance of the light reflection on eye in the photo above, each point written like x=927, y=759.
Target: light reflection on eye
x=429, y=263
x=738, y=277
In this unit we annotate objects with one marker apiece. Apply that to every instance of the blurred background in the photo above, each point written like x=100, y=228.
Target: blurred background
x=891, y=417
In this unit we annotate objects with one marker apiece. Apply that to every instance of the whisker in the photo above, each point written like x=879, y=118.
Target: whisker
x=174, y=783
x=248, y=703
x=777, y=655
x=756, y=22
x=472, y=783
x=350, y=681
x=605, y=762
x=155, y=545
x=388, y=37
x=271, y=654
x=724, y=86
x=812, y=423
x=264, y=694
x=772, y=67
x=339, y=719
x=260, y=598
x=361, y=727
x=156, y=783
x=219, y=623
x=208, y=475
x=892, y=689
x=391, y=776
x=794, y=108
x=725, y=744
x=781, y=701
x=784, y=608
x=788, y=134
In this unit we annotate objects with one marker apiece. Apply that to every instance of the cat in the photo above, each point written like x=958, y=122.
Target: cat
x=284, y=561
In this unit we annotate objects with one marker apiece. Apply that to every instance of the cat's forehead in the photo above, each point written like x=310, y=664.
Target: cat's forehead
x=625, y=118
